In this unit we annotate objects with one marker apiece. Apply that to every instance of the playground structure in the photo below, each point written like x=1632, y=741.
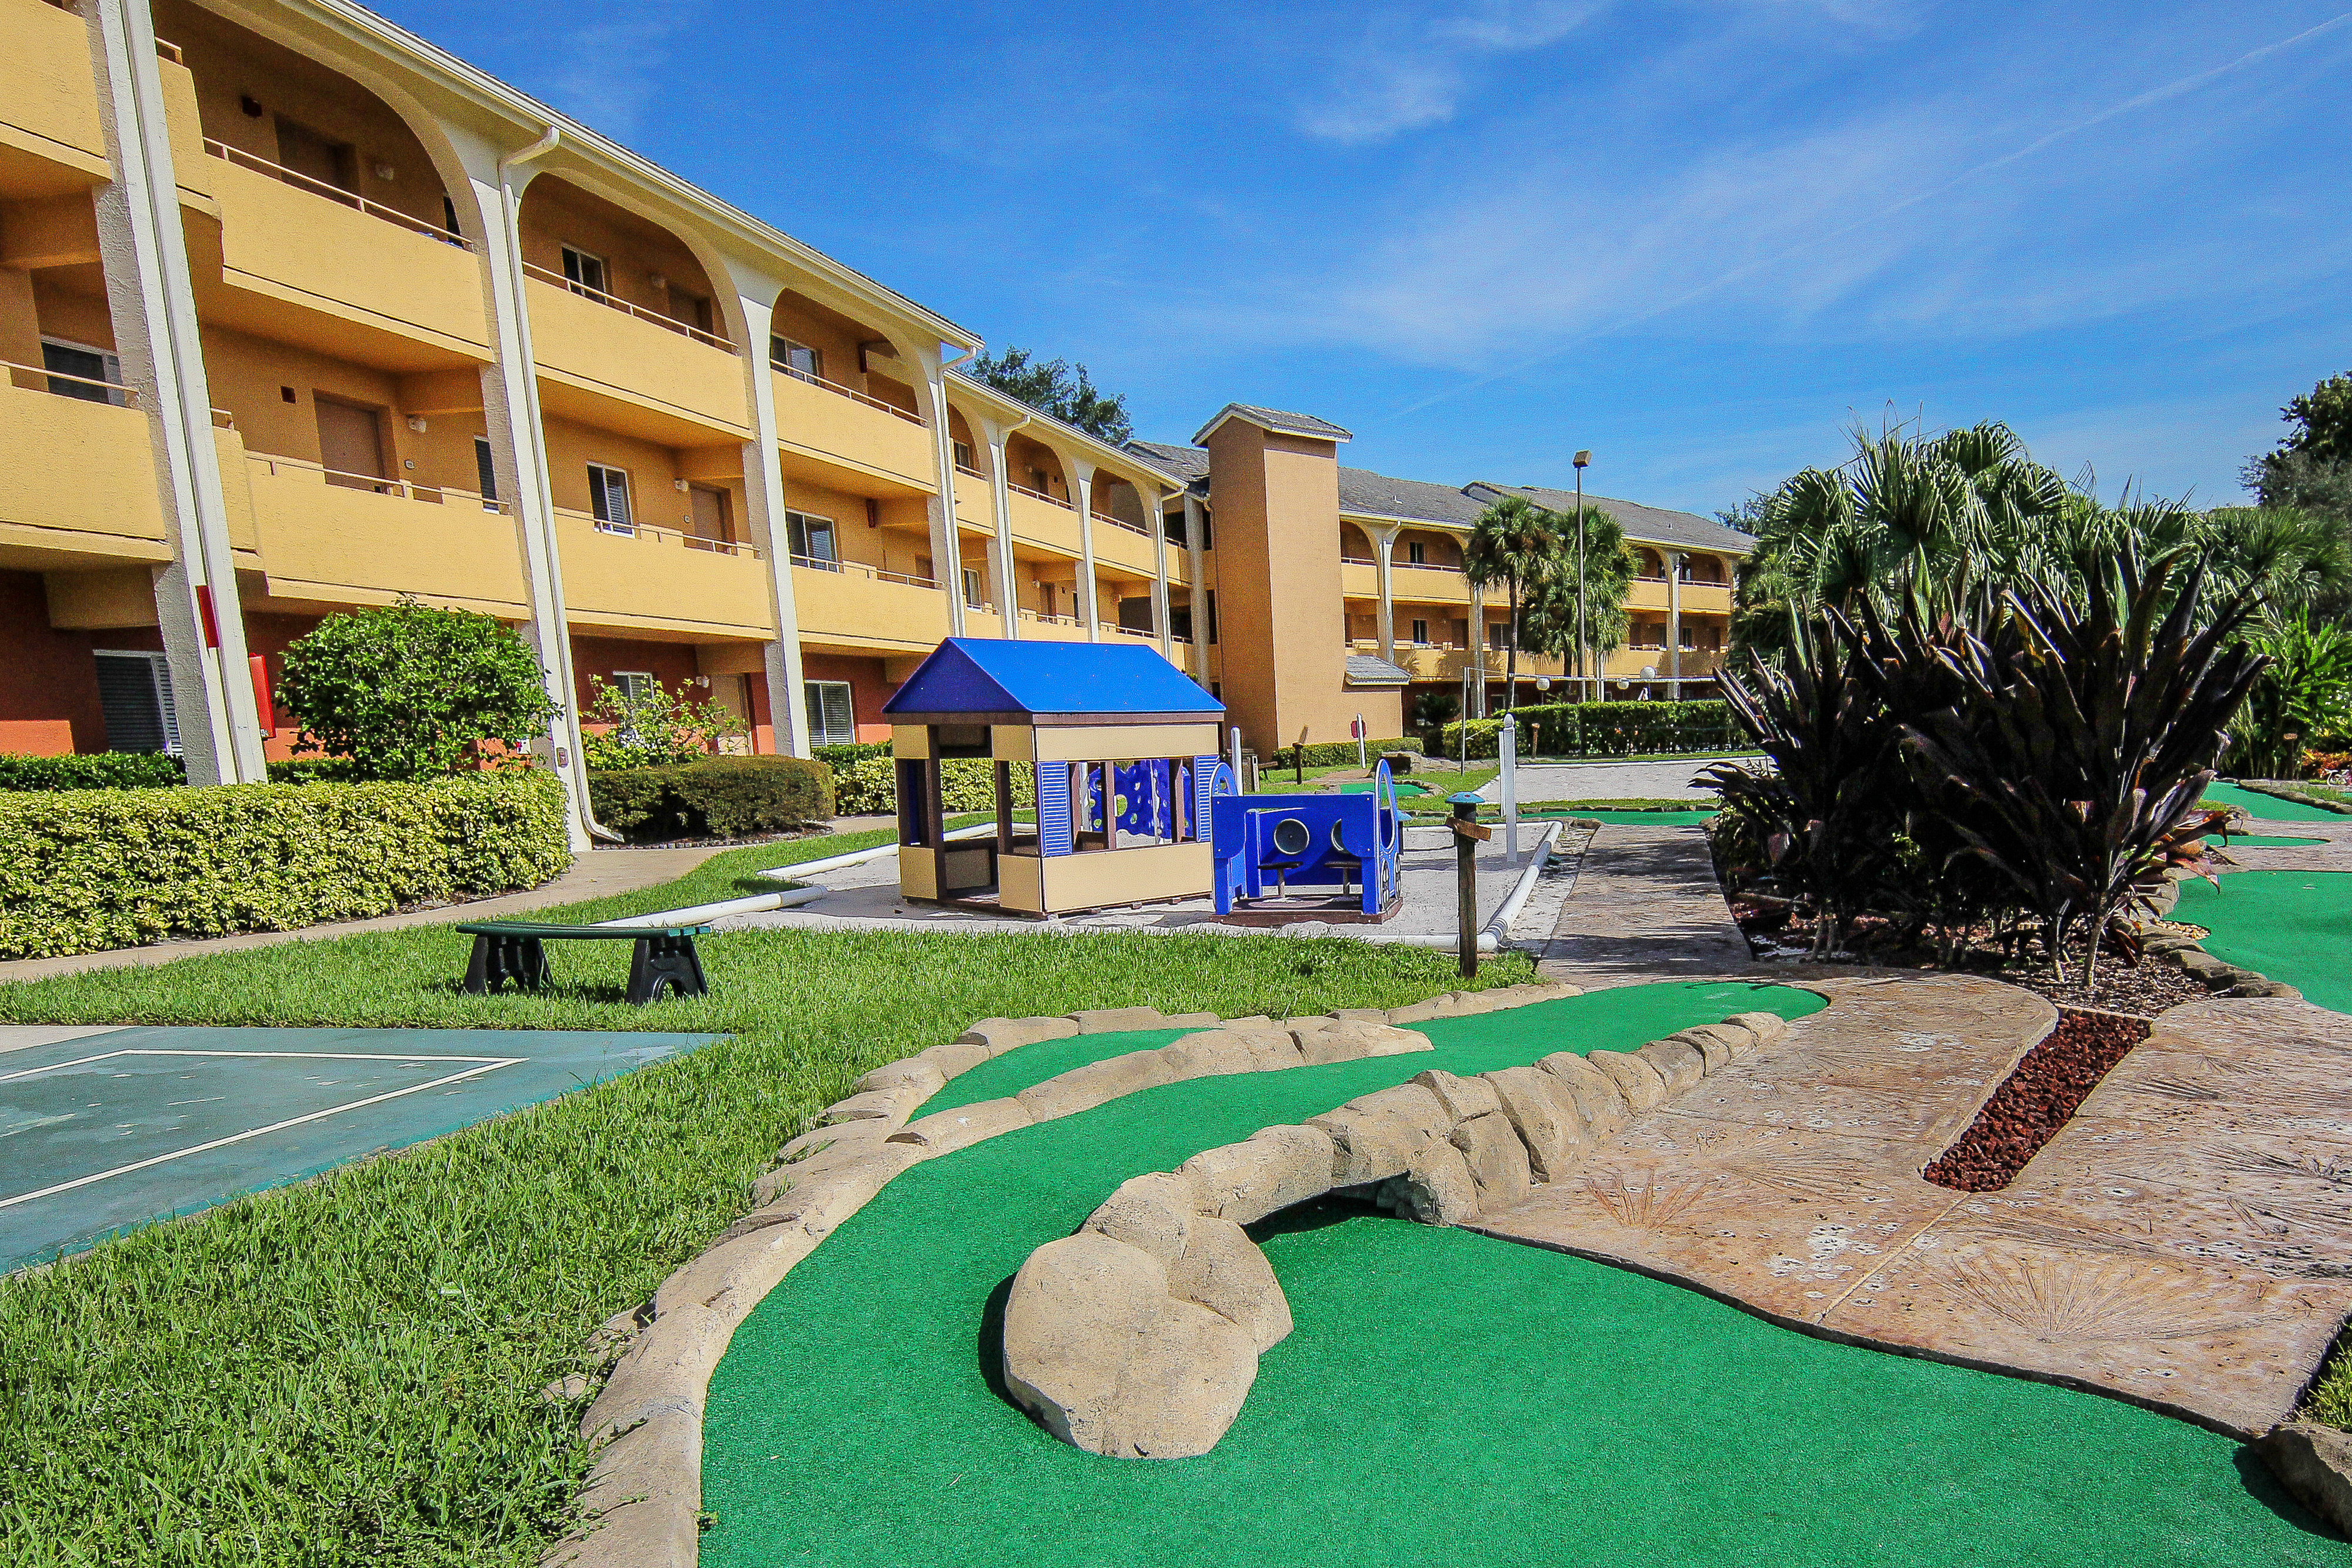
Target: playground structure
x=1121, y=746
x=1352, y=842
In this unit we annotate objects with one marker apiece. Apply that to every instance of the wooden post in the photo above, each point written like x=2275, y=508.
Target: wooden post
x=1468, y=836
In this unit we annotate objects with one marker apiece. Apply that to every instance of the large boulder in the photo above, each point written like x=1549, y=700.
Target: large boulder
x=1498, y=1160
x=1154, y=1214
x=1545, y=1117
x=1108, y=1360
x=1371, y=1145
x=1272, y=1169
x=1598, y=1100
x=1223, y=1271
x=1437, y=1188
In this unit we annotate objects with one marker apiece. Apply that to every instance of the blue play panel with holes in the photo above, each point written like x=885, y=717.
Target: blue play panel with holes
x=117, y=1129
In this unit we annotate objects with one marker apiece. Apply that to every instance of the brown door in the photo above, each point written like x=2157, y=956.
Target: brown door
x=315, y=157
x=351, y=445
x=711, y=515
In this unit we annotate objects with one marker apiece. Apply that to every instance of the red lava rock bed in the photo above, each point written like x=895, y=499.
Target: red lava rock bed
x=2041, y=1096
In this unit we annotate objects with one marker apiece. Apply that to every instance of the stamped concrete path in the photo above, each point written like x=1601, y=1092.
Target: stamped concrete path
x=1645, y=906
x=2184, y=1243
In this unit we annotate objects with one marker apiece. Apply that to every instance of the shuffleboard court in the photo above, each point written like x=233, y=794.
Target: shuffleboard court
x=116, y=1129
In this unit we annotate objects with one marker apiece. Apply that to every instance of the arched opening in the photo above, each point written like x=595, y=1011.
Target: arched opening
x=580, y=241
x=813, y=342
x=1355, y=545
x=970, y=457
x=1035, y=468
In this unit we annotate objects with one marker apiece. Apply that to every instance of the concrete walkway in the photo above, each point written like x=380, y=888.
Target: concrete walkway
x=1645, y=906
x=600, y=873
x=1614, y=780
x=2183, y=1243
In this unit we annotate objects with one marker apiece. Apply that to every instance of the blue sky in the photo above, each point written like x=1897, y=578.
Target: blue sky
x=1700, y=238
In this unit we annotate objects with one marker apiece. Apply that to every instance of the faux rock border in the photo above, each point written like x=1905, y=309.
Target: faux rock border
x=2217, y=975
x=1139, y=1337
x=642, y=1497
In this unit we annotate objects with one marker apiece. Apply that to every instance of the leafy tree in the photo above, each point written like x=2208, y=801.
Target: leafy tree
x=1515, y=543
x=657, y=729
x=408, y=691
x=1058, y=387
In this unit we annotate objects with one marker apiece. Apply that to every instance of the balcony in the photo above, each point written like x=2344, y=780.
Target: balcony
x=354, y=539
x=1043, y=520
x=311, y=243
x=1125, y=545
x=48, y=103
x=850, y=604
x=76, y=476
x=848, y=435
x=658, y=580
x=673, y=384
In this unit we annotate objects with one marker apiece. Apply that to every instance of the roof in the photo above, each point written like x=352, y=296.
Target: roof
x=1365, y=493
x=1644, y=524
x=1187, y=465
x=975, y=676
x=1367, y=670
x=1275, y=420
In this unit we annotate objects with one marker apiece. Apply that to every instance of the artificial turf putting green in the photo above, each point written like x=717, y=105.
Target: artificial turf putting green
x=2292, y=926
x=2264, y=842
x=1444, y=1400
x=2267, y=808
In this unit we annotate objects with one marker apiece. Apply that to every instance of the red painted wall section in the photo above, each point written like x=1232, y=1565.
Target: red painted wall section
x=48, y=694
x=763, y=717
x=868, y=688
x=671, y=663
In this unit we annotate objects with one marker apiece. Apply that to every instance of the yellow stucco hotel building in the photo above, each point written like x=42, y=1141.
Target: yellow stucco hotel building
x=299, y=312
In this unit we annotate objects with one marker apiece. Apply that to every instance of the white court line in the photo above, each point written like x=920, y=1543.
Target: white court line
x=488, y=1064
x=321, y=1055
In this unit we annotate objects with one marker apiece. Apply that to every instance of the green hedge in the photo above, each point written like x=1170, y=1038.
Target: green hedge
x=93, y=770
x=724, y=798
x=1607, y=729
x=90, y=868
x=870, y=785
x=840, y=759
x=1337, y=753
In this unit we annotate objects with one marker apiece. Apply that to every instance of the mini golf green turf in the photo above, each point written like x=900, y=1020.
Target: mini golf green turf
x=1445, y=1398
x=1364, y=787
x=2264, y=841
x=2268, y=808
x=2292, y=926
x=1664, y=819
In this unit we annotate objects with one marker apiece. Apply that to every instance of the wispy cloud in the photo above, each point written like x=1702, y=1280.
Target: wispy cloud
x=1407, y=69
x=608, y=74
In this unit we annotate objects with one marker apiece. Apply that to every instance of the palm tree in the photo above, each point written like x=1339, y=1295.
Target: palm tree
x=1550, y=614
x=1516, y=543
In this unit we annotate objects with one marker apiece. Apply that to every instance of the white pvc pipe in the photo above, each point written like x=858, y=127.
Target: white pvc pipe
x=757, y=903
x=807, y=869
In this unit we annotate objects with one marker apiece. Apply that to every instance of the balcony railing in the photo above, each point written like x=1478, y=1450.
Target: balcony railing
x=685, y=328
x=32, y=377
x=658, y=535
x=969, y=472
x=1346, y=560
x=860, y=568
x=1045, y=620
x=1118, y=522
x=853, y=394
x=1039, y=496
x=1427, y=566
x=270, y=464
x=335, y=194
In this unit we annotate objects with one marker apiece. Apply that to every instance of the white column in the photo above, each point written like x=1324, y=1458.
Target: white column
x=518, y=445
x=1152, y=503
x=1384, y=548
x=1081, y=475
x=947, y=539
x=1477, y=624
x=763, y=498
x=152, y=300
x=1674, y=623
x=1193, y=524
x=1000, y=497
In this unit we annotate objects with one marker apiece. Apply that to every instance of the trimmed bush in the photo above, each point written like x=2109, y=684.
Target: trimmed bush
x=870, y=785
x=1336, y=753
x=92, y=770
x=1608, y=730
x=720, y=797
x=85, y=870
x=840, y=757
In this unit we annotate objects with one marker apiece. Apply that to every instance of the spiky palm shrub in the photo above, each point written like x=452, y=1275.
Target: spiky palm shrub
x=2073, y=759
x=1823, y=816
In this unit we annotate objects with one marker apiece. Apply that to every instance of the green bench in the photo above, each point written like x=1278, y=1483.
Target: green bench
x=514, y=950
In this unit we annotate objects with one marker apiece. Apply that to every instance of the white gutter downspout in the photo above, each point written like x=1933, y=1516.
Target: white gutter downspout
x=546, y=572
x=947, y=542
x=1000, y=498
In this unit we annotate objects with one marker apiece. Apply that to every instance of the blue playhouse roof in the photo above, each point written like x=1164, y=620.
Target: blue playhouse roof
x=990, y=675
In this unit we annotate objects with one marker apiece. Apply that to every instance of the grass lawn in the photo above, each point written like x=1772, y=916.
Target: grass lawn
x=348, y=1371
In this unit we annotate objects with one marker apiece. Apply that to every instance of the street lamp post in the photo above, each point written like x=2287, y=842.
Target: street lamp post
x=1583, y=647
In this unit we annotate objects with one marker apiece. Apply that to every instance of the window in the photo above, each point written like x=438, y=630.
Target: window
x=1171, y=525
x=1498, y=634
x=134, y=692
x=1213, y=615
x=86, y=365
x=1416, y=552
x=971, y=594
x=586, y=270
x=1421, y=632
x=486, y=474
x=796, y=359
x=809, y=540
x=637, y=685
x=964, y=456
x=608, y=499
x=831, y=716
x=1208, y=540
